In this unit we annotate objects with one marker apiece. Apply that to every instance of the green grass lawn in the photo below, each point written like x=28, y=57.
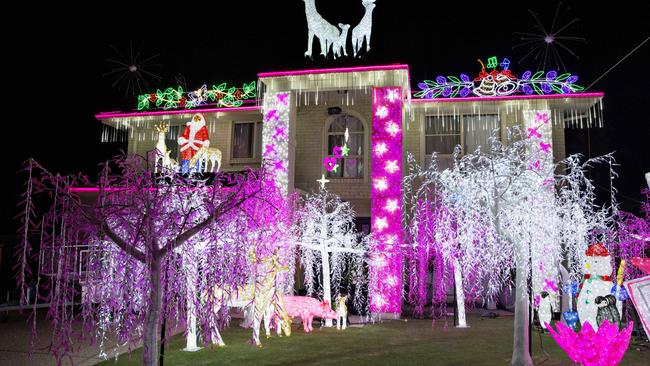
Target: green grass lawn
x=412, y=342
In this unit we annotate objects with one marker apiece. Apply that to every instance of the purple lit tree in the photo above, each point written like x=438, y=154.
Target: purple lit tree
x=632, y=237
x=496, y=210
x=124, y=253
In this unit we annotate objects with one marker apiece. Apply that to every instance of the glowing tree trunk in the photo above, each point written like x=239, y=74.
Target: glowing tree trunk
x=191, y=276
x=520, y=350
x=460, y=295
x=325, y=255
x=152, y=324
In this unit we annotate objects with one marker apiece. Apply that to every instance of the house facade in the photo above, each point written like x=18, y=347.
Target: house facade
x=300, y=117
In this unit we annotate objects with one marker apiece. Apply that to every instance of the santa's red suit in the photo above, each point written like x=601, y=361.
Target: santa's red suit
x=193, y=137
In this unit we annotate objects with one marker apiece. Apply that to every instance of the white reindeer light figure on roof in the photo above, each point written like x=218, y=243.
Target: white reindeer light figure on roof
x=326, y=33
x=363, y=29
x=341, y=42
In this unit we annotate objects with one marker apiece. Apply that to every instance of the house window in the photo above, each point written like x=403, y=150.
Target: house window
x=171, y=140
x=477, y=130
x=441, y=136
x=443, y=133
x=350, y=166
x=247, y=140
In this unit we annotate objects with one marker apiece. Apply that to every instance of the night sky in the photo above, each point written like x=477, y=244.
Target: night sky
x=56, y=59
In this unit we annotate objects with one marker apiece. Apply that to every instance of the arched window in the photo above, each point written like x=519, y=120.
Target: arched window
x=350, y=166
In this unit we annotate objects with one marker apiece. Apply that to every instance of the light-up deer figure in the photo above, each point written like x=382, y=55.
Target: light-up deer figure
x=317, y=26
x=362, y=31
x=341, y=42
x=162, y=153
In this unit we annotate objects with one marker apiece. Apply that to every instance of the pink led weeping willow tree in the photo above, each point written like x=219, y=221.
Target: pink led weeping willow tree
x=498, y=210
x=124, y=254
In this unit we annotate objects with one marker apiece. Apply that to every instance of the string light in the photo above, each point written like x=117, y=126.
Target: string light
x=392, y=128
x=386, y=196
x=499, y=83
x=223, y=95
x=381, y=184
x=391, y=166
x=274, y=136
x=381, y=223
x=380, y=149
x=391, y=205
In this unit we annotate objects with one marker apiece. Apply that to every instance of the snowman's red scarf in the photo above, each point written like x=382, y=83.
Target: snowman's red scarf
x=588, y=276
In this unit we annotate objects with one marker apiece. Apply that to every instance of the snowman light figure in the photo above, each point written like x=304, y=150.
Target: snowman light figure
x=595, y=302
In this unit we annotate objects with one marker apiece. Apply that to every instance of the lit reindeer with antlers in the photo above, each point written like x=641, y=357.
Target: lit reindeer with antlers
x=205, y=154
x=162, y=153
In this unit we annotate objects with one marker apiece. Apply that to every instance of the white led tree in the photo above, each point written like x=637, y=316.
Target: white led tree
x=329, y=245
x=498, y=209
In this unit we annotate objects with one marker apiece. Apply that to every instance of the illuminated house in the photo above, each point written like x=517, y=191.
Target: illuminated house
x=300, y=118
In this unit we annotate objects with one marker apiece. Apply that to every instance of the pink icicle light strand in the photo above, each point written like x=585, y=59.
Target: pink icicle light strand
x=386, y=200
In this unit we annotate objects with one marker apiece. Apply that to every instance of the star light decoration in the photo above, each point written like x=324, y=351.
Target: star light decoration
x=322, y=181
x=386, y=198
x=391, y=166
x=274, y=137
x=391, y=206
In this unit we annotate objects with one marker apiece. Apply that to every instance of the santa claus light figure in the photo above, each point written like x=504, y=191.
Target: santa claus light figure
x=194, y=137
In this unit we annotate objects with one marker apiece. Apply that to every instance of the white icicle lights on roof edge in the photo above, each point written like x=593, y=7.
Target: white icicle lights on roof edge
x=275, y=137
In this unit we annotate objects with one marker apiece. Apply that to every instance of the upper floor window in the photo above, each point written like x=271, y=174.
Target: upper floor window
x=443, y=133
x=351, y=166
x=171, y=140
x=247, y=140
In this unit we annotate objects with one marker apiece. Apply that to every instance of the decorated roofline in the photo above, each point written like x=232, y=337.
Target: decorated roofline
x=494, y=82
x=494, y=85
x=109, y=115
x=220, y=95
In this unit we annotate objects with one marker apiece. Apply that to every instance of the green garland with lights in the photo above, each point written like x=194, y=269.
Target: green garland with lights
x=221, y=95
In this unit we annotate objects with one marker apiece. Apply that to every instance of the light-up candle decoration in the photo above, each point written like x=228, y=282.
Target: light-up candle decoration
x=386, y=268
x=275, y=137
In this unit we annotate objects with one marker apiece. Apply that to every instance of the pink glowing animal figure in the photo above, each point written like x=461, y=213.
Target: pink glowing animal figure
x=307, y=308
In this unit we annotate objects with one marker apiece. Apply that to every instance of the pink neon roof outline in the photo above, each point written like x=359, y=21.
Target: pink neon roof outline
x=107, y=115
x=117, y=189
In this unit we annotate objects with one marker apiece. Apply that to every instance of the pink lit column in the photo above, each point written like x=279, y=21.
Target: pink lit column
x=386, y=199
